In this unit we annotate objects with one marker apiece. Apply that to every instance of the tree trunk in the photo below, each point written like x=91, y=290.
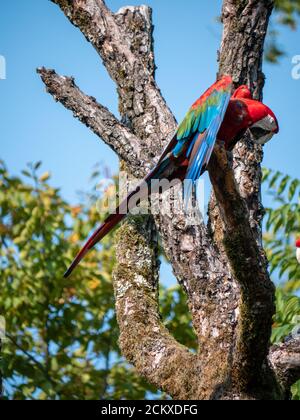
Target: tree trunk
x=222, y=267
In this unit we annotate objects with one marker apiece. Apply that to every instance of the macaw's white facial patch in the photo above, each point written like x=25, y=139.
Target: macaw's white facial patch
x=263, y=130
x=298, y=255
x=264, y=139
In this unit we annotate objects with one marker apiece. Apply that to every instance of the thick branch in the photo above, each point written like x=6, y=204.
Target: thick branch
x=285, y=360
x=250, y=269
x=236, y=219
x=245, y=27
x=124, y=42
x=96, y=117
x=144, y=340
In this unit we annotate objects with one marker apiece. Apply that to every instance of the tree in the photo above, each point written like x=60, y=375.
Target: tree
x=222, y=267
x=51, y=324
x=107, y=375
x=63, y=344
x=59, y=343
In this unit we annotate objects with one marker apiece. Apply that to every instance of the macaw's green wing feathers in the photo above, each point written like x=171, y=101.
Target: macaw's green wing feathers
x=206, y=113
x=202, y=125
x=197, y=134
x=199, y=154
x=205, y=109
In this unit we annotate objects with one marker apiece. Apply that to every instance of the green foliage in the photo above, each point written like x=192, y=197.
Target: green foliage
x=287, y=322
x=62, y=335
x=282, y=229
x=287, y=13
x=55, y=326
x=287, y=317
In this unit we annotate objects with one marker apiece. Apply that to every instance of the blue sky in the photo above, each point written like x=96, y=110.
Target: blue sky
x=34, y=127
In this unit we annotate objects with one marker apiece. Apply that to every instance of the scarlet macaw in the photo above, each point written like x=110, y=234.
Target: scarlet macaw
x=298, y=250
x=216, y=115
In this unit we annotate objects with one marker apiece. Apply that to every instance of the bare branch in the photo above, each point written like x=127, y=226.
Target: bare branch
x=96, y=117
x=241, y=56
x=98, y=25
x=124, y=42
x=285, y=360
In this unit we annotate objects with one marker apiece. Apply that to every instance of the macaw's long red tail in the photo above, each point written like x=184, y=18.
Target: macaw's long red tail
x=97, y=236
x=127, y=205
x=112, y=221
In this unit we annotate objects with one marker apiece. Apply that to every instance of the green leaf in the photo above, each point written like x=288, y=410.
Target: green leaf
x=37, y=165
x=293, y=188
x=283, y=184
x=26, y=173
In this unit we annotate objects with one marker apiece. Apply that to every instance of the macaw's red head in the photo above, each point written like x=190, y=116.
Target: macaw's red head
x=298, y=243
x=263, y=122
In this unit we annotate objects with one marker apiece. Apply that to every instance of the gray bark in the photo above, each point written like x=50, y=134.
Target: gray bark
x=222, y=267
x=285, y=360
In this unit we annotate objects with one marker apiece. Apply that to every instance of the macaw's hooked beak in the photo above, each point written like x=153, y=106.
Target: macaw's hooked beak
x=260, y=135
x=262, y=131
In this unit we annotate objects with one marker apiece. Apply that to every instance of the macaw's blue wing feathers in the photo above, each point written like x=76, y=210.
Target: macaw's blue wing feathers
x=201, y=127
x=200, y=152
x=205, y=116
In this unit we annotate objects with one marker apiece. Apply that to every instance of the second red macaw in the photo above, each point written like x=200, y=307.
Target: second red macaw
x=298, y=250
x=216, y=115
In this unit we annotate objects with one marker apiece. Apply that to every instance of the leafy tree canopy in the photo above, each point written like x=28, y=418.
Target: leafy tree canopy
x=282, y=226
x=62, y=335
x=287, y=13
